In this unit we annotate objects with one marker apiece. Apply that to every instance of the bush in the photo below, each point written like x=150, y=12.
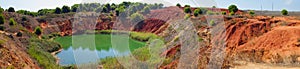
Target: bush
x=2, y=19
x=214, y=7
x=187, y=10
x=284, y=12
x=146, y=10
x=38, y=31
x=233, y=8
x=136, y=17
x=19, y=34
x=178, y=5
x=197, y=12
x=251, y=12
x=75, y=7
x=187, y=6
x=2, y=28
x=24, y=18
x=187, y=16
x=232, y=13
x=12, y=22
x=11, y=9
x=66, y=9
x=212, y=23
x=223, y=13
x=57, y=10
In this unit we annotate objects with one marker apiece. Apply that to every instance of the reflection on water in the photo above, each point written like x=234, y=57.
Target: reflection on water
x=91, y=53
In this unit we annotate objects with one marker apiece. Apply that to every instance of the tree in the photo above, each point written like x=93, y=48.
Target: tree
x=233, y=8
x=187, y=6
x=146, y=10
x=187, y=10
x=178, y=5
x=2, y=19
x=66, y=9
x=2, y=27
x=214, y=7
x=136, y=17
x=251, y=12
x=75, y=7
x=11, y=9
x=284, y=12
x=12, y=22
x=19, y=34
x=1, y=9
x=38, y=30
x=197, y=12
x=57, y=10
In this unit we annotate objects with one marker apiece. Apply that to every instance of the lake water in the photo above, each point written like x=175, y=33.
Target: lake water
x=84, y=49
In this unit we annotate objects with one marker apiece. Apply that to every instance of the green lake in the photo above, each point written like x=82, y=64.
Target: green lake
x=83, y=49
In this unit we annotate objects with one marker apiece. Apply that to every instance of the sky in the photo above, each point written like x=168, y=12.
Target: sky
x=35, y=5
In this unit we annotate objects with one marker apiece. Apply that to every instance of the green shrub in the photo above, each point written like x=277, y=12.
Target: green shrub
x=284, y=12
x=252, y=12
x=212, y=23
x=66, y=9
x=19, y=34
x=146, y=10
x=187, y=6
x=187, y=10
x=57, y=10
x=38, y=31
x=2, y=42
x=197, y=12
x=210, y=13
x=2, y=19
x=74, y=7
x=12, y=22
x=233, y=8
x=136, y=17
x=232, y=13
x=223, y=13
x=214, y=7
x=178, y=5
x=2, y=28
x=187, y=16
x=11, y=9
x=24, y=18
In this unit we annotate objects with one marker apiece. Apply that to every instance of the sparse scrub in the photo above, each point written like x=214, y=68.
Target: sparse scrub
x=212, y=23
x=187, y=16
x=197, y=12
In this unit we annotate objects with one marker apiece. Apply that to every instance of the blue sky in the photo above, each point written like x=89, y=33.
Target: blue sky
x=34, y=5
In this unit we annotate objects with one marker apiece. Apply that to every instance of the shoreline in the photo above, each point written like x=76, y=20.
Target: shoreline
x=54, y=55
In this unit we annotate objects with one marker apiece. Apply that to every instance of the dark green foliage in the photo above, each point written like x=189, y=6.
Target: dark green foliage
x=74, y=7
x=24, y=18
x=212, y=23
x=104, y=9
x=197, y=12
x=11, y=9
x=1, y=9
x=251, y=12
x=284, y=12
x=187, y=10
x=233, y=8
x=136, y=17
x=19, y=34
x=25, y=12
x=178, y=5
x=224, y=13
x=42, y=12
x=2, y=19
x=2, y=27
x=66, y=9
x=187, y=6
x=232, y=13
x=38, y=31
x=214, y=7
x=12, y=22
x=57, y=10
